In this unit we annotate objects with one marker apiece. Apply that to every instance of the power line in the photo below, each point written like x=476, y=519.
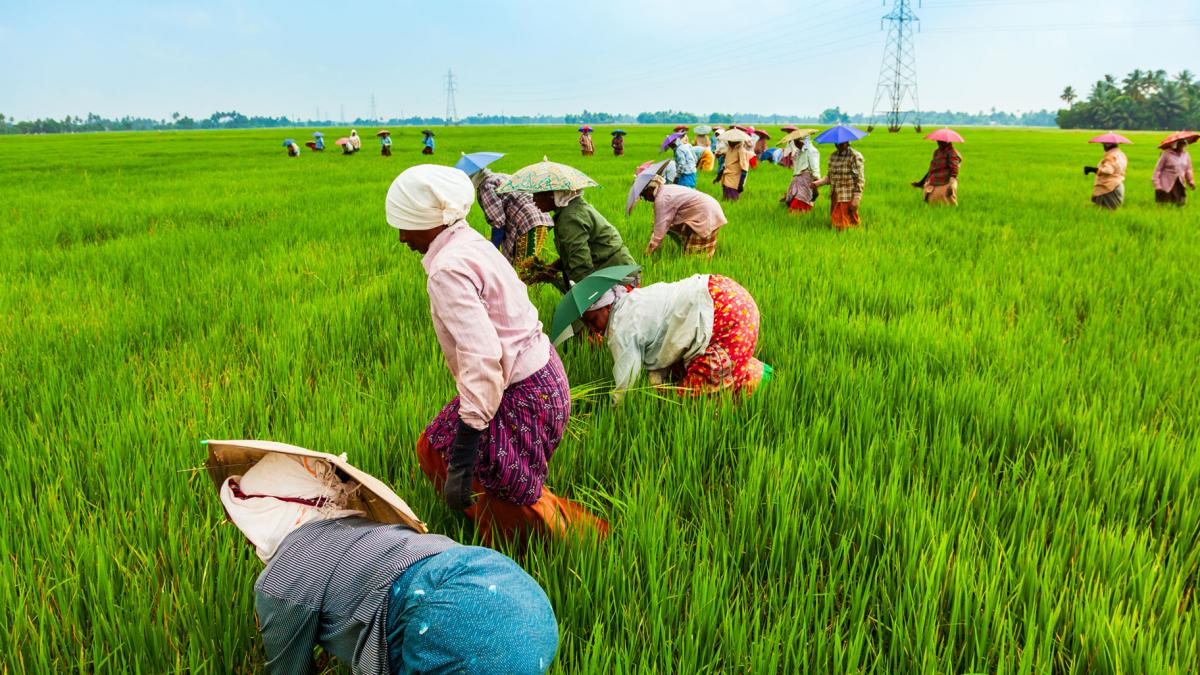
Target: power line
x=898, y=72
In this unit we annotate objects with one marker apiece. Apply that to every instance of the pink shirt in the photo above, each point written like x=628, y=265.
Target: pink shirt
x=489, y=331
x=676, y=204
x=1173, y=167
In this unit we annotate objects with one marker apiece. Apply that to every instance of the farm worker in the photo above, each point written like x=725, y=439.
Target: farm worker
x=355, y=140
x=488, y=449
x=1109, y=190
x=691, y=216
x=347, y=147
x=585, y=240
x=293, y=150
x=427, y=142
x=941, y=181
x=1173, y=171
x=698, y=334
x=685, y=162
x=847, y=178
x=381, y=598
x=719, y=148
x=519, y=227
x=618, y=143
x=806, y=171
x=760, y=144
x=385, y=144
x=319, y=143
x=733, y=172
x=586, y=148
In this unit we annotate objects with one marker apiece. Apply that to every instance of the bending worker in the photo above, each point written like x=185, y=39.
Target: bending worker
x=488, y=449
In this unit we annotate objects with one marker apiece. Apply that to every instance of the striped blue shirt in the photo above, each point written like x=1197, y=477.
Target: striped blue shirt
x=328, y=584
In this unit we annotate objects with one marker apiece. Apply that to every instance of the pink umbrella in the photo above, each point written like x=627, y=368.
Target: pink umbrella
x=643, y=167
x=946, y=135
x=1110, y=137
x=341, y=141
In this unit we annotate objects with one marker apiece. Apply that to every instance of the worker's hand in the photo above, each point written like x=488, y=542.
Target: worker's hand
x=649, y=252
x=855, y=201
x=461, y=470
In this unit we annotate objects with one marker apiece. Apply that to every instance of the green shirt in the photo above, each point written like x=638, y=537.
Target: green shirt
x=586, y=241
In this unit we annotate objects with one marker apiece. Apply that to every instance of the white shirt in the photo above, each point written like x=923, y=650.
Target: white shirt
x=658, y=326
x=808, y=159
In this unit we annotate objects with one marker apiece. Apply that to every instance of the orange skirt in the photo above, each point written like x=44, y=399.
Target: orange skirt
x=498, y=520
x=845, y=215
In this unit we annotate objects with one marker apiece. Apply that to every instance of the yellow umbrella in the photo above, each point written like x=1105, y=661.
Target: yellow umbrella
x=796, y=135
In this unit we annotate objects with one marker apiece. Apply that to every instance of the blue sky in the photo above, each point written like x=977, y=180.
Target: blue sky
x=527, y=56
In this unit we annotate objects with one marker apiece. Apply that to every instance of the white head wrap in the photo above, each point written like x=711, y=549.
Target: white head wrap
x=353, y=132
x=267, y=520
x=611, y=296
x=479, y=176
x=427, y=196
x=564, y=197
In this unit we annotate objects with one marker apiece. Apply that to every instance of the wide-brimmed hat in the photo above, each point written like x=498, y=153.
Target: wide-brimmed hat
x=367, y=493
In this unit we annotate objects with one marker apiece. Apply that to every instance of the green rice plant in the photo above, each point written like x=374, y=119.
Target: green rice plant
x=978, y=454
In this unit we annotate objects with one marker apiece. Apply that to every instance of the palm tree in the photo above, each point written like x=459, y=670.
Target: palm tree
x=1069, y=96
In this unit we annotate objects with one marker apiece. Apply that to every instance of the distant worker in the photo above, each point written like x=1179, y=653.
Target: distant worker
x=426, y=142
x=802, y=192
x=346, y=145
x=697, y=335
x=488, y=450
x=293, y=150
x=685, y=159
x=1174, y=170
x=355, y=141
x=317, y=144
x=385, y=142
x=586, y=148
x=380, y=598
x=735, y=164
x=847, y=179
x=689, y=216
x=618, y=143
x=1109, y=188
x=940, y=182
x=705, y=158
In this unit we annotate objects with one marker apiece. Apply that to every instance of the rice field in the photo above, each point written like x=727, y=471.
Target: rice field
x=980, y=452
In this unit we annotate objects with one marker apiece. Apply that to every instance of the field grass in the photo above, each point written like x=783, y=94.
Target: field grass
x=980, y=453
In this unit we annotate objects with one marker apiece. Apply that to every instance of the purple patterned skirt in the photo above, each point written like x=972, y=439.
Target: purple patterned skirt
x=521, y=438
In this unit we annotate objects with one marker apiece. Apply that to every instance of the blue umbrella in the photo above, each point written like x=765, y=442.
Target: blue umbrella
x=317, y=134
x=474, y=162
x=287, y=142
x=618, y=132
x=841, y=134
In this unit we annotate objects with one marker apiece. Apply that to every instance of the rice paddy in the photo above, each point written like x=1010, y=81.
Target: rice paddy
x=980, y=452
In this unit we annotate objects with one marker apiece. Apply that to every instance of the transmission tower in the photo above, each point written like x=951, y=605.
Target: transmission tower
x=451, y=109
x=897, y=88
x=373, y=117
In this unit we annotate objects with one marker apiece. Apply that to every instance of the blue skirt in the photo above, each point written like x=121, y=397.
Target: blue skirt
x=469, y=610
x=686, y=180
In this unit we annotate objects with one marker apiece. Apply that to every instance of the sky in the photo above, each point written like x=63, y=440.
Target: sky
x=151, y=59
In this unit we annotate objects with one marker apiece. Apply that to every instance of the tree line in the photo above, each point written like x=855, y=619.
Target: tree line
x=236, y=120
x=1145, y=99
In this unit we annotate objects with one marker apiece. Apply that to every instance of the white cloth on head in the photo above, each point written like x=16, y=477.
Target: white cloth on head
x=427, y=196
x=808, y=159
x=610, y=296
x=478, y=177
x=266, y=520
x=564, y=197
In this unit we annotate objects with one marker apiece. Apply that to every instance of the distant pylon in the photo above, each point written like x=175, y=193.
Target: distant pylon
x=373, y=117
x=451, y=109
x=897, y=88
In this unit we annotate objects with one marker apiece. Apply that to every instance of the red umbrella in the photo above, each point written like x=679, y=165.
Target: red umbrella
x=788, y=129
x=341, y=141
x=681, y=127
x=946, y=135
x=1110, y=137
x=1189, y=136
x=761, y=133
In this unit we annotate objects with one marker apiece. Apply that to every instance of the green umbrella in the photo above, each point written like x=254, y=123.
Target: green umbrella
x=545, y=176
x=582, y=295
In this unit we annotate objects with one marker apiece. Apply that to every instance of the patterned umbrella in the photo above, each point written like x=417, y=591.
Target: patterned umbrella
x=1189, y=136
x=795, y=135
x=703, y=130
x=546, y=176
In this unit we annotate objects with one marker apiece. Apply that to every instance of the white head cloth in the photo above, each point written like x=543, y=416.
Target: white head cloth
x=427, y=196
x=611, y=296
x=353, y=132
x=564, y=197
x=266, y=520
